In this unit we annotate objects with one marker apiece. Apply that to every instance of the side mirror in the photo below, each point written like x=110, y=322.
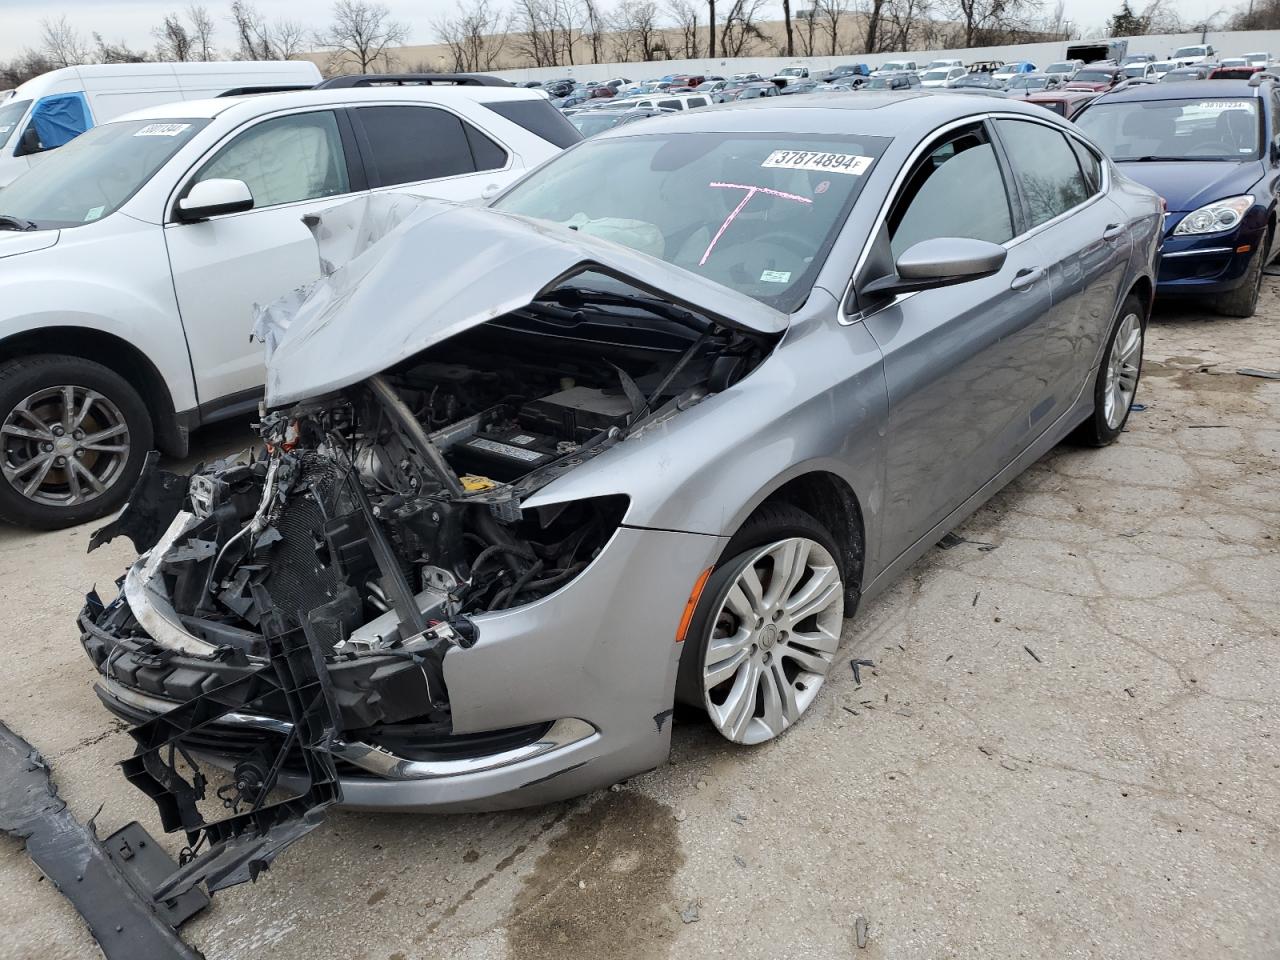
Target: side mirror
x=28, y=143
x=940, y=262
x=208, y=198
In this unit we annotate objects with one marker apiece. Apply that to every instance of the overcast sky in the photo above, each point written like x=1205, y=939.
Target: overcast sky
x=132, y=20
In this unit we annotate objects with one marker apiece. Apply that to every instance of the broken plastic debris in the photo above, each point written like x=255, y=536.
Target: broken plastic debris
x=691, y=914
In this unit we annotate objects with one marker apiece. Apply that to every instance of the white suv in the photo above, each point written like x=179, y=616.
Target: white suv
x=131, y=259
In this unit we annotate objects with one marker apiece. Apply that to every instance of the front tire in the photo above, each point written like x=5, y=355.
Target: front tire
x=767, y=627
x=1243, y=300
x=73, y=438
x=1117, y=381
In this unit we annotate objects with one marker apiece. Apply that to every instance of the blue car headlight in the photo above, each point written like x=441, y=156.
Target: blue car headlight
x=1214, y=217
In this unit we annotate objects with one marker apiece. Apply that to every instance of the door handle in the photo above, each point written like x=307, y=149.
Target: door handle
x=1026, y=277
x=1114, y=231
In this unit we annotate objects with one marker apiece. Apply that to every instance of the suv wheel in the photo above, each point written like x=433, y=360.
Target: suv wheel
x=73, y=438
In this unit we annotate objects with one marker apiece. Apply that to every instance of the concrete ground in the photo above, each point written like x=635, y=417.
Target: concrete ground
x=1069, y=746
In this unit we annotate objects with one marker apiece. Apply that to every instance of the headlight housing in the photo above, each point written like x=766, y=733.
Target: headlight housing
x=1215, y=217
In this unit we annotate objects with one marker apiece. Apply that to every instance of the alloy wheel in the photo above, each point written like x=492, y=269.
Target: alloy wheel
x=773, y=640
x=64, y=445
x=1122, y=370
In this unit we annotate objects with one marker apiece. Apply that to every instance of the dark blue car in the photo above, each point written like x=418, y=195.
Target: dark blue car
x=1210, y=148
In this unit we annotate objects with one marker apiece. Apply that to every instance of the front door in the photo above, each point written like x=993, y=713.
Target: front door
x=956, y=358
x=293, y=164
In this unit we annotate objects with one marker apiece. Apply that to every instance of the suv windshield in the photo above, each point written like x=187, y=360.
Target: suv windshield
x=95, y=173
x=1094, y=76
x=1060, y=68
x=755, y=213
x=1197, y=129
x=1190, y=52
x=11, y=114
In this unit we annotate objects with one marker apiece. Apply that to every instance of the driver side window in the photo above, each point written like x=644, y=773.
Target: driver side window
x=298, y=157
x=956, y=190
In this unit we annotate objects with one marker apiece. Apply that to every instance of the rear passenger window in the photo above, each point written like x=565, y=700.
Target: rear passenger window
x=409, y=144
x=1045, y=167
x=1089, y=164
x=540, y=118
x=957, y=190
x=487, y=154
x=673, y=104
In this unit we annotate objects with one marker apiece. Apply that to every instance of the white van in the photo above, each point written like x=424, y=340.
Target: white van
x=677, y=101
x=48, y=110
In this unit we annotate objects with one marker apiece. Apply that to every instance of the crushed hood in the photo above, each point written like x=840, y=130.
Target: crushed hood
x=403, y=273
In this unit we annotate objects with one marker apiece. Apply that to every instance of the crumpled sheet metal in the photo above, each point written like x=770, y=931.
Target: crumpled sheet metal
x=405, y=277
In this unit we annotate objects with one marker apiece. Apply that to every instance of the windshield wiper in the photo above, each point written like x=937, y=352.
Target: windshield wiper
x=17, y=223
x=583, y=296
x=1153, y=158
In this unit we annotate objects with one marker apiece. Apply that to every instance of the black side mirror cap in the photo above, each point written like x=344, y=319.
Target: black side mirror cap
x=28, y=143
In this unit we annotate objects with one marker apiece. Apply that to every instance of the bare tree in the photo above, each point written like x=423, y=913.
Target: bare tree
x=28, y=64
x=475, y=37
x=567, y=21
x=200, y=28
x=118, y=52
x=636, y=35
x=806, y=31
x=252, y=32
x=711, y=28
x=786, y=25
x=288, y=39
x=685, y=15
x=362, y=34
x=739, y=34
x=991, y=21
x=536, y=36
x=831, y=15
x=593, y=28
x=173, y=43
x=904, y=20
x=872, y=16
x=62, y=44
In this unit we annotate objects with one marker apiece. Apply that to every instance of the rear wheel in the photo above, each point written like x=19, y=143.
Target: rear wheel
x=73, y=439
x=766, y=630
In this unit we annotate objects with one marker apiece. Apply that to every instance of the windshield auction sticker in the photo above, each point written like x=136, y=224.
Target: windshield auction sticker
x=162, y=129
x=1225, y=104
x=849, y=163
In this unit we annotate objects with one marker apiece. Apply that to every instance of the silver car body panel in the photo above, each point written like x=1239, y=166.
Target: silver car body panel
x=482, y=264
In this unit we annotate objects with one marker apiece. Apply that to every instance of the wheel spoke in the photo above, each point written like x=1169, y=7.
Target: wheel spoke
x=811, y=662
x=107, y=434
x=718, y=673
x=79, y=468
x=105, y=448
x=13, y=430
x=817, y=594
x=740, y=705
x=45, y=466
x=68, y=406
x=90, y=398
x=790, y=559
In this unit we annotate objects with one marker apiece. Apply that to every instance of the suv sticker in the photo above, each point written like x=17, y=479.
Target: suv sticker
x=1224, y=104
x=849, y=163
x=162, y=129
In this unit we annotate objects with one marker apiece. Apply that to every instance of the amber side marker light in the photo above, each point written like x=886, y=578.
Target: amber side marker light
x=1243, y=248
x=687, y=617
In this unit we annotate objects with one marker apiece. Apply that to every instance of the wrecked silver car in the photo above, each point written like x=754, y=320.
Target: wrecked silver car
x=531, y=474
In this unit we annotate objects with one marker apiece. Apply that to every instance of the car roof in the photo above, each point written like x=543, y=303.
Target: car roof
x=256, y=104
x=1187, y=89
x=866, y=113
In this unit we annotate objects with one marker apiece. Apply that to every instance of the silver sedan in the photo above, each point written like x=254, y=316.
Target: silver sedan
x=645, y=430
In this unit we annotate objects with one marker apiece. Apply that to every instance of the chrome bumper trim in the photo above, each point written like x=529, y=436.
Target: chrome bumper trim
x=377, y=760
x=1193, y=253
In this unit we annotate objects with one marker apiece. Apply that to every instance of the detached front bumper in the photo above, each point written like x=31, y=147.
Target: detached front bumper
x=555, y=698
x=1208, y=264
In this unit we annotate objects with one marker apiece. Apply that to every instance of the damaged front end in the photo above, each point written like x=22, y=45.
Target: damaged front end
x=288, y=627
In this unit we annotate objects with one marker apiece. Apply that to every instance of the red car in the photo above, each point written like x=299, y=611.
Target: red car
x=1097, y=79
x=1234, y=73
x=1065, y=102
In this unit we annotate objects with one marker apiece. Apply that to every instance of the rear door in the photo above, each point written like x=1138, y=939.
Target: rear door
x=956, y=358
x=429, y=150
x=1060, y=182
x=293, y=164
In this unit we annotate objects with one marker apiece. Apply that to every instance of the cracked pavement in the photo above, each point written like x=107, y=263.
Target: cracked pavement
x=1069, y=745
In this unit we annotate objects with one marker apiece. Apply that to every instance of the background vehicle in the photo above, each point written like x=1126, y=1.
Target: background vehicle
x=1010, y=70
x=895, y=66
x=943, y=64
x=1024, y=323
x=985, y=66
x=1026, y=83
x=1133, y=58
x=941, y=76
x=807, y=85
x=1096, y=78
x=1065, y=103
x=131, y=260
x=589, y=123
x=1114, y=50
x=905, y=80
x=789, y=75
x=1161, y=67
x=1143, y=70
x=1209, y=149
x=747, y=91
x=984, y=81
x=53, y=108
x=846, y=71
x=1199, y=71
x=1240, y=70
x=712, y=86
x=681, y=101
x=1261, y=59
x=1197, y=53
x=1064, y=68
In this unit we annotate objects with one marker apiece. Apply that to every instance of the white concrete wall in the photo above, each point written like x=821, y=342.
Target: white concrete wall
x=1232, y=44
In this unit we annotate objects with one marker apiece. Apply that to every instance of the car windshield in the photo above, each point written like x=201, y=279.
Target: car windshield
x=936, y=75
x=1137, y=70
x=589, y=124
x=893, y=65
x=884, y=83
x=11, y=114
x=1027, y=83
x=791, y=72
x=755, y=213
x=1060, y=68
x=1189, y=52
x=95, y=173
x=1192, y=129
x=1094, y=76
x=1176, y=75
